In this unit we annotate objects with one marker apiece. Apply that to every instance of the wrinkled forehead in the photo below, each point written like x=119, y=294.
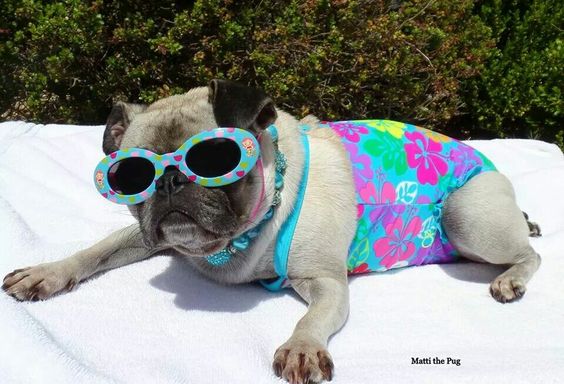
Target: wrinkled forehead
x=168, y=123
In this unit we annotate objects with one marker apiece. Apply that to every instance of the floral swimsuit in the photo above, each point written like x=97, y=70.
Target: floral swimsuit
x=403, y=175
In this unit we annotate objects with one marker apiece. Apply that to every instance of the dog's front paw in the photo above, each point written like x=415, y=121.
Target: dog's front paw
x=302, y=361
x=39, y=282
x=507, y=288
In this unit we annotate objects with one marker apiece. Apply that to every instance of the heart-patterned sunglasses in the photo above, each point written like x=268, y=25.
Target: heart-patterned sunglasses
x=212, y=158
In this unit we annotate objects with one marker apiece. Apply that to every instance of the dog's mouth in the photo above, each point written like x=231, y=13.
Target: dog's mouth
x=179, y=230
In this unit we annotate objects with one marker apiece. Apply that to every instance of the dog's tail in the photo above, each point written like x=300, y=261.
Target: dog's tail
x=534, y=228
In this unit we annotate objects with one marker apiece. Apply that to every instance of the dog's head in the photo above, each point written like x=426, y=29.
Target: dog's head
x=193, y=219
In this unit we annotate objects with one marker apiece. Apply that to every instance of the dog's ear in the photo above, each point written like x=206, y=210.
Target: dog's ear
x=236, y=105
x=119, y=119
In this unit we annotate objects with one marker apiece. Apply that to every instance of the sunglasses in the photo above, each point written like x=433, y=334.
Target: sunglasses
x=211, y=158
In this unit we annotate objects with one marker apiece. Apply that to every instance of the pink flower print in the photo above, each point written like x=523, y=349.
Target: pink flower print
x=369, y=194
x=350, y=131
x=359, y=210
x=361, y=165
x=383, y=210
x=423, y=199
x=464, y=157
x=425, y=155
x=362, y=268
x=398, y=244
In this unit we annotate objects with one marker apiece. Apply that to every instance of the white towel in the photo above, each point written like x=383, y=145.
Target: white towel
x=158, y=321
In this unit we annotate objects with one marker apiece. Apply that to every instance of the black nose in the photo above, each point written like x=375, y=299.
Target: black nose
x=171, y=182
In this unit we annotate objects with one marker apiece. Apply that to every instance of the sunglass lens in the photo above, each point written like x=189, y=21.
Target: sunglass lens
x=213, y=158
x=131, y=176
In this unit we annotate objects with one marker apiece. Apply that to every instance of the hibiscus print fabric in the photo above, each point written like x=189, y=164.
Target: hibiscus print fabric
x=403, y=175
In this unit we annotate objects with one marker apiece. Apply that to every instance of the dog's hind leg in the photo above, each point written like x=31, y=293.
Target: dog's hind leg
x=484, y=224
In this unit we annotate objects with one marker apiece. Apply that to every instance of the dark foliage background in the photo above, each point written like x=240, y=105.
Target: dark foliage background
x=487, y=68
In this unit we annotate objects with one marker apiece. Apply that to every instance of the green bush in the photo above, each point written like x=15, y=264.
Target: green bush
x=438, y=63
x=519, y=92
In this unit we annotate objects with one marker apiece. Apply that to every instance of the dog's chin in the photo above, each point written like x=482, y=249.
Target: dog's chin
x=202, y=250
x=180, y=232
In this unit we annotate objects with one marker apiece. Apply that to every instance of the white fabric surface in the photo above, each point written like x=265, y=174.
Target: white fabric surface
x=159, y=322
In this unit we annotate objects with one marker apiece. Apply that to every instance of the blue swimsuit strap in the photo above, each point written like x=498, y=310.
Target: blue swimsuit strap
x=286, y=233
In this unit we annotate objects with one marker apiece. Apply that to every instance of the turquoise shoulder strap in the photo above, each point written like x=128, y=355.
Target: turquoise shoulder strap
x=286, y=233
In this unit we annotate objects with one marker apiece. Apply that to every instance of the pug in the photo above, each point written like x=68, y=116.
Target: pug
x=293, y=217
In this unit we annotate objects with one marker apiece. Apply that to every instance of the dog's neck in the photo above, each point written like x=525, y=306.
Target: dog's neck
x=243, y=241
x=256, y=262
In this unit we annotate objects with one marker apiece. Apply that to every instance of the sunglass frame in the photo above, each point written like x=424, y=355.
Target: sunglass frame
x=248, y=144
